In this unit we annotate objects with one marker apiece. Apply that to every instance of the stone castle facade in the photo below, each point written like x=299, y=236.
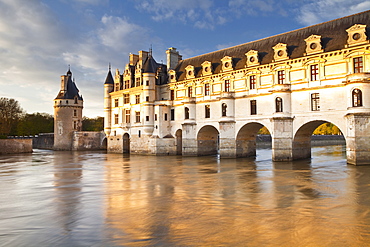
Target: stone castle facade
x=217, y=102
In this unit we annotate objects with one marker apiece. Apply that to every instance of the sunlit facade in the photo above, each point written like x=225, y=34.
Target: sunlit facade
x=215, y=103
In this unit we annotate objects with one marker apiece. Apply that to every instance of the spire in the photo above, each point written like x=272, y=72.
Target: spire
x=109, y=79
x=151, y=50
x=69, y=70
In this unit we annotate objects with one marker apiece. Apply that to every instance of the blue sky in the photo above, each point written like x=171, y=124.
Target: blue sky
x=40, y=38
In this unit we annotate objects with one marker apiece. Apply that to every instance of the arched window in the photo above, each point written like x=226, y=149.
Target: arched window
x=279, y=104
x=187, y=116
x=356, y=97
x=224, y=107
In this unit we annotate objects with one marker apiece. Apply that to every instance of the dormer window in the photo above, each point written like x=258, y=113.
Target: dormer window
x=357, y=35
x=172, y=75
x=313, y=44
x=227, y=63
x=190, y=73
x=252, y=58
x=280, y=52
x=207, y=68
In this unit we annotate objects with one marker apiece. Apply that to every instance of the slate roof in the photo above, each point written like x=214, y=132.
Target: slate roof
x=72, y=90
x=150, y=65
x=109, y=79
x=333, y=37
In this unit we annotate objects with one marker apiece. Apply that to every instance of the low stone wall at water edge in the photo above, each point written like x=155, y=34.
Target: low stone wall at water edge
x=316, y=140
x=13, y=146
x=43, y=141
x=88, y=140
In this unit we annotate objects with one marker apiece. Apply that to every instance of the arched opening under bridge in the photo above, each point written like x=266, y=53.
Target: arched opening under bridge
x=208, y=141
x=246, y=139
x=315, y=133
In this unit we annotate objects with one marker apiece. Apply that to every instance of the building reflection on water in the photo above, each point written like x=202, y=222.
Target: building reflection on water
x=169, y=201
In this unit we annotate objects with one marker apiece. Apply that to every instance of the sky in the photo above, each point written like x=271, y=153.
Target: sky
x=39, y=39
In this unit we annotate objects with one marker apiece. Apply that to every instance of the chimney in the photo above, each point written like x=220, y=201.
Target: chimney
x=173, y=58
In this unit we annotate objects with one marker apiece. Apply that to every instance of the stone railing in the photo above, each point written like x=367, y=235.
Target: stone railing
x=358, y=77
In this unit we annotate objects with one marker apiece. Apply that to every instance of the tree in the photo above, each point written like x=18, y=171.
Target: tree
x=35, y=123
x=93, y=124
x=10, y=113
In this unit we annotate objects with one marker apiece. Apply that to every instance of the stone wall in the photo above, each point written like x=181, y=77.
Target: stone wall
x=43, y=141
x=88, y=140
x=12, y=146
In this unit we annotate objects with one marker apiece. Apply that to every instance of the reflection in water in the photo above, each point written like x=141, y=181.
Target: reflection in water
x=97, y=199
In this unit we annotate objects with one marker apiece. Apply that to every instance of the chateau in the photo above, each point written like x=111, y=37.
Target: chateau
x=217, y=102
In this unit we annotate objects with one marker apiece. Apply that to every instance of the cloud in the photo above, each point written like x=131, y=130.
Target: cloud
x=315, y=12
x=36, y=47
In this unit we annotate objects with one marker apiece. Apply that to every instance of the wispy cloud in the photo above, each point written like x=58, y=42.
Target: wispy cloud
x=313, y=12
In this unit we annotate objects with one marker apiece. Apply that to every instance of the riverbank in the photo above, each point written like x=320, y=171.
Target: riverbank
x=13, y=146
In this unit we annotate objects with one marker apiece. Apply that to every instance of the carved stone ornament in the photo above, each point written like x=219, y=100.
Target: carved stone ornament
x=252, y=58
x=190, y=73
x=227, y=63
x=357, y=35
x=207, y=68
x=313, y=44
x=280, y=52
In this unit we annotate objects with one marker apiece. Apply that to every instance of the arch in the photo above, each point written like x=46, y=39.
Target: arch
x=104, y=143
x=301, y=146
x=178, y=135
x=356, y=97
x=278, y=104
x=208, y=140
x=126, y=143
x=224, y=109
x=246, y=139
x=187, y=114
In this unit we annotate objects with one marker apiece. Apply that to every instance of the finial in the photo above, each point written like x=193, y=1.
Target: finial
x=151, y=50
x=109, y=67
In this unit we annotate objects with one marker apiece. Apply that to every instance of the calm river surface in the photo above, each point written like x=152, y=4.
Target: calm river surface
x=96, y=199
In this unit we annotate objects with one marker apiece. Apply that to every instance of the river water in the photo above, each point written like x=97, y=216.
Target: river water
x=96, y=199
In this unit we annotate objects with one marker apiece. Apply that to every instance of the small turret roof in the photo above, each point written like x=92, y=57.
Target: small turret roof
x=109, y=79
x=150, y=65
x=71, y=90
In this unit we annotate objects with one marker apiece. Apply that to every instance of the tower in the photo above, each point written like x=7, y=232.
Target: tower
x=68, y=107
x=108, y=88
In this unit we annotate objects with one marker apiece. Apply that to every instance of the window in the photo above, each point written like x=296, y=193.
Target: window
x=147, y=98
x=75, y=113
x=121, y=85
x=137, y=117
x=207, y=111
x=190, y=91
x=223, y=109
x=315, y=102
x=279, y=104
x=115, y=118
x=155, y=117
x=116, y=87
x=127, y=84
x=358, y=66
x=126, y=98
x=356, y=97
x=314, y=72
x=147, y=82
x=138, y=81
x=172, y=114
x=165, y=117
x=127, y=116
x=115, y=102
x=76, y=102
x=187, y=116
x=281, y=77
x=172, y=94
x=253, y=107
x=252, y=82
x=137, y=98
x=227, y=85
x=147, y=118
x=206, y=89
